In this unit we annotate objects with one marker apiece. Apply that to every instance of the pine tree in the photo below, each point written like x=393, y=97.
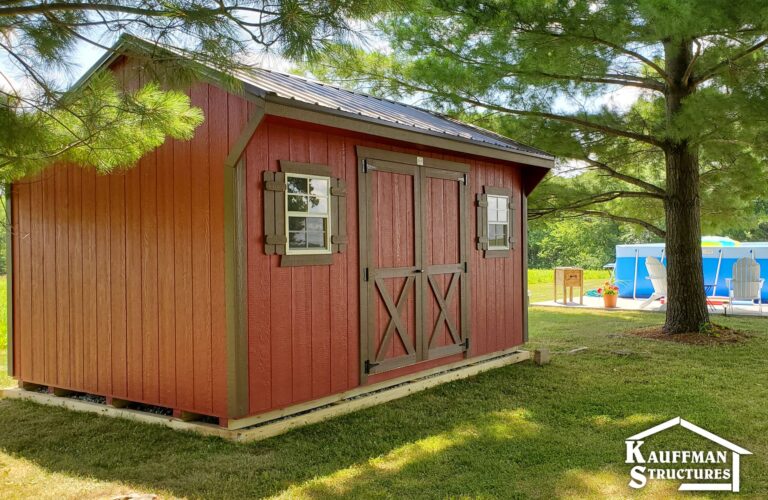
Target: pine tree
x=100, y=125
x=698, y=65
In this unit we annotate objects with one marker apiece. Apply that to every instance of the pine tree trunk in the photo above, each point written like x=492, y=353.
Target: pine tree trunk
x=686, y=300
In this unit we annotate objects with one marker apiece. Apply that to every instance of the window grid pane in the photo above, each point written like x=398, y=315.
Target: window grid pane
x=498, y=225
x=308, y=213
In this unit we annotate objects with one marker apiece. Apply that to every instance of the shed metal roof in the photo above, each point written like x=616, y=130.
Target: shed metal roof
x=357, y=103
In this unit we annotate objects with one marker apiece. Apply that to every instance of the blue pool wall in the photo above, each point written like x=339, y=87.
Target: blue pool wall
x=626, y=257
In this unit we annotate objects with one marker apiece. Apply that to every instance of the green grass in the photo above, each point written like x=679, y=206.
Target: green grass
x=540, y=282
x=520, y=431
x=538, y=276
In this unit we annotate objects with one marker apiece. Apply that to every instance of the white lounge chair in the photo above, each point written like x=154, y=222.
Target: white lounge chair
x=746, y=283
x=657, y=273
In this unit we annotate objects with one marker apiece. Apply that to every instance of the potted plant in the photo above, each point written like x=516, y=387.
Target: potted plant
x=610, y=293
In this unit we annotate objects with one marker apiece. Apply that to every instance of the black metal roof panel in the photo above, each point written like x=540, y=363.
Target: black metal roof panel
x=356, y=103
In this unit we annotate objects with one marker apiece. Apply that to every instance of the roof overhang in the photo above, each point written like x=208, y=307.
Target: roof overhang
x=320, y=115
x=537, y=165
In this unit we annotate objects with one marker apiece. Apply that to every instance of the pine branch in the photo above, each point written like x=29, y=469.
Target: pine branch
x=569, y=119
x=628, y=220
x=611, y=79
x=616, y=47
x=523, y=112
x=712, y=71
x=511, y=70
x=651, y=188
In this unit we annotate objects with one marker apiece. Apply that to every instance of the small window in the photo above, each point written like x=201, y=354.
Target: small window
x=308, y=210
x=495, y=222
x=498, y=223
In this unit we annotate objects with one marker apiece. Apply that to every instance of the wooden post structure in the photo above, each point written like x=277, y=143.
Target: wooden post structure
x=569, y=277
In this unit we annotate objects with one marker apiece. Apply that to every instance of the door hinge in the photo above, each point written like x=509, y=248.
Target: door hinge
x=466, y=267
x=367, y=167
x=466, y=344
x=369, y=365
x=366, y=274
x=465, y=179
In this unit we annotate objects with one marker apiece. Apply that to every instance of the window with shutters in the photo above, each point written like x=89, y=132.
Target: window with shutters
x=495, y=222
x=304, y=214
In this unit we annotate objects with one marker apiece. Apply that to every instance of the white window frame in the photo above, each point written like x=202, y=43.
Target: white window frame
x=505, y=199
x=327, y=216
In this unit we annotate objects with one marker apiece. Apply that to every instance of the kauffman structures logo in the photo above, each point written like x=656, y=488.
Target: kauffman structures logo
x=699, y=470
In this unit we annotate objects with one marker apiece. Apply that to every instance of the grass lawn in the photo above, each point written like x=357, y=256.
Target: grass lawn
x=541, y=286
x=520, y=431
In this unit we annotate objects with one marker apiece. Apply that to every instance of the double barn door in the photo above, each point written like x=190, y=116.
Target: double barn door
x=414, y=260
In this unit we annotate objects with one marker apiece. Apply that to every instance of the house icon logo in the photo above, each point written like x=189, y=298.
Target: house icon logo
x=699, y=470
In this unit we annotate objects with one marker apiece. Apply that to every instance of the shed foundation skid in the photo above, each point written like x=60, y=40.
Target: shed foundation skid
x=281, y=421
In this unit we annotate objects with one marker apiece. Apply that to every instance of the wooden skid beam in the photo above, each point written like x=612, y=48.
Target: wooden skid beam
x=347, y=402
x=111, y=411
x=57, y=391
x=359, y=391
x=348, y=406
x=117, y=403
x=187, y=416
x=29, y=386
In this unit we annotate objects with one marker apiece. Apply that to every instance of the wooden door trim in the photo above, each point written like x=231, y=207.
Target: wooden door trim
x=364, y=236
x=410, y=159
x=369, y=161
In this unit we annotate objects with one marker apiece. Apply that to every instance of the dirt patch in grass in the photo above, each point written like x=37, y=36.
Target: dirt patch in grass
x=718, y=335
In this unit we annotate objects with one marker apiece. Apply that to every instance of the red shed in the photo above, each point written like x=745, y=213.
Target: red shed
x=308, y=241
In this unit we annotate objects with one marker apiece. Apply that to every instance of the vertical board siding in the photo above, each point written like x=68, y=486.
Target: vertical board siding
x=119, y=279
x=218, y=148
x=303, y=322
x=89, y=282
x=201, y=258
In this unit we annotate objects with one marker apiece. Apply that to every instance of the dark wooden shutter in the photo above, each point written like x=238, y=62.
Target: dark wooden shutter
x=511, y=218
x=275, y=238
x=482, y=221
x=338, y=215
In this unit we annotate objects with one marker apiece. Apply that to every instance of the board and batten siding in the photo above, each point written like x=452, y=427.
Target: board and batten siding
x=303, y=322
x=118, y=288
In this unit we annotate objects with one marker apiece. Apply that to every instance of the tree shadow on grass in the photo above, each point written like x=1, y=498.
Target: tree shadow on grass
x=511, y=432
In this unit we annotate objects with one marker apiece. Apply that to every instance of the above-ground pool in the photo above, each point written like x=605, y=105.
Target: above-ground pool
x=632, y=275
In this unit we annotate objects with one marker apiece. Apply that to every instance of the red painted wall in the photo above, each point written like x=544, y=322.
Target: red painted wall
x=303, y=322
x=119, y=279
